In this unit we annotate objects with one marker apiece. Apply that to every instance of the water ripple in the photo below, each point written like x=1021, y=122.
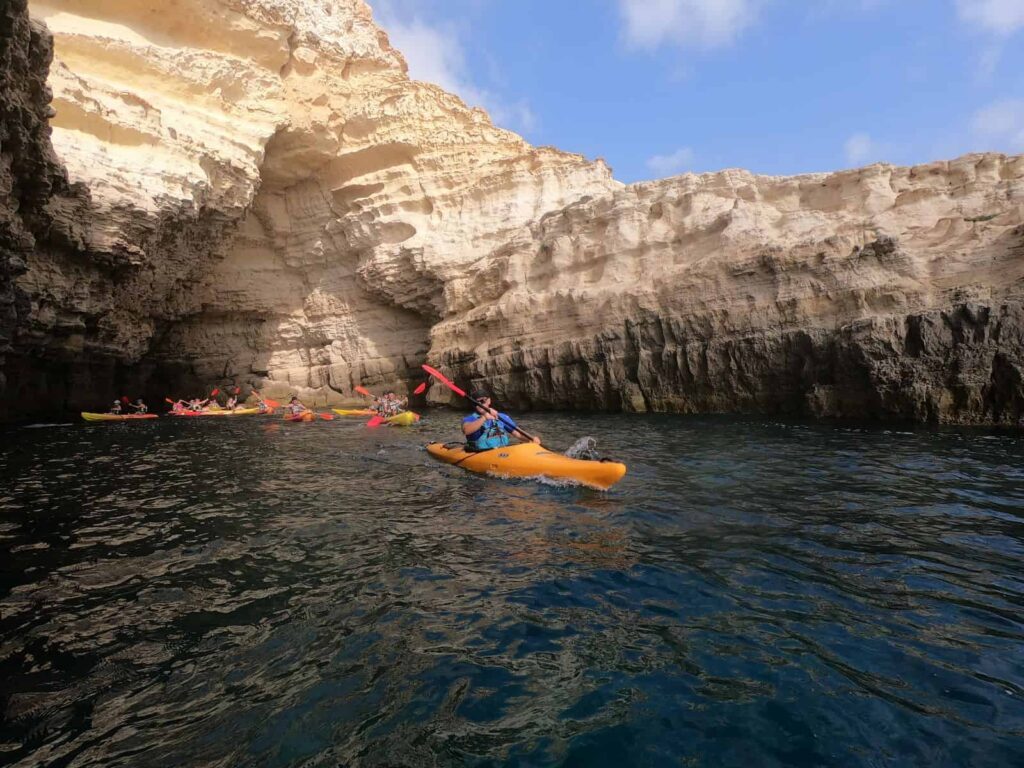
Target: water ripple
x=755, y=591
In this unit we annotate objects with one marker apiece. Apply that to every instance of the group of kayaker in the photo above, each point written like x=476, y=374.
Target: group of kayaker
x=484, y=429
x=389, y=404
x=138, y=406
x=205, y=405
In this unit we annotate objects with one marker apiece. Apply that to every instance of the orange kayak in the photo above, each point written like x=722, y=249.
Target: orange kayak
x=529, y=460
x=305, y=416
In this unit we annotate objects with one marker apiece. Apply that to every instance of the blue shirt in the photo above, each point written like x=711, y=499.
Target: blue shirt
x=506, y=422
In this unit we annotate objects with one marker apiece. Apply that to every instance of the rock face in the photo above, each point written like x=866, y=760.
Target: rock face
x=256, y=192
x=881, y=292
x=29, y=171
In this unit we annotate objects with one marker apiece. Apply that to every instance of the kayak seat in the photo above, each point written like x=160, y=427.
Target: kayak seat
x=470, y=448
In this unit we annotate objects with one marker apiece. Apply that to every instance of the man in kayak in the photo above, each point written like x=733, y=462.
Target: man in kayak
x=486, y=428
x=139, y=406
x=296, y=406
x=115, y=409
x=392, y=406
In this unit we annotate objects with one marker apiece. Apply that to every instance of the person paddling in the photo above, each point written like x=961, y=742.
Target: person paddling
x=139, y=406
x=115, y=409
x=296, y=406
x=485, y=428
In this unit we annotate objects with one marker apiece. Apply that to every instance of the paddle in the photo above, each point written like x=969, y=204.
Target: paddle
x=451, y=385
x=420, y=389
x=270, y=403
x=375, y=420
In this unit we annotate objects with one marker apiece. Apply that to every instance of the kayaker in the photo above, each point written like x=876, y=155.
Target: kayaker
x=296, y=406
x=139, y=406
x=391, y=405
x=232, y=403
x=486, y=428
x=115, y=409
x=260, y=403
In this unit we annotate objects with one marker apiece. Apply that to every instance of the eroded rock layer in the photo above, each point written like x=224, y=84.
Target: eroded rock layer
x=255, y=192
x=881, y=292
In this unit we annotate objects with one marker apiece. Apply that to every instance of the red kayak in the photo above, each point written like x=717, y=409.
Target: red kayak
x=304, y=416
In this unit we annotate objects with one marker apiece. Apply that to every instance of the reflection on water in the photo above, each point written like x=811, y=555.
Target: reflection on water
x=753, y=593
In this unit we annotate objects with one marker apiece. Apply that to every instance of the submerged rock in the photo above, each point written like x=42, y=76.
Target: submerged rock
x=257, y=192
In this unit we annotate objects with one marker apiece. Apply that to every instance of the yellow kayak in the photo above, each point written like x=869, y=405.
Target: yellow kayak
x=223, y=412
x=529, y=460
x=403, y=419
x=353, y=411
x=115, y=417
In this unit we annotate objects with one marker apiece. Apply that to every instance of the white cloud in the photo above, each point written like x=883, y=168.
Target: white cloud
x=859, y=149
x=671, y=164
x=1000, y=17
x=1001, y=125
x=701, y=24
x=435, y=54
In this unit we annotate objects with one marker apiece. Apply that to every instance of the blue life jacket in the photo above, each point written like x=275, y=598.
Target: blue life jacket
x=493, y=434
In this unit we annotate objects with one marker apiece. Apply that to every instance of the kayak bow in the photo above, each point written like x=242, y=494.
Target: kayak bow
x=353, y=411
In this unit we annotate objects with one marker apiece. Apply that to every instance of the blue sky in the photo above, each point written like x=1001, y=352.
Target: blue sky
x=658, y=87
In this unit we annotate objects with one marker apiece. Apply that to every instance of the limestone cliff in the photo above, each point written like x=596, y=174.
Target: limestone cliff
x=880, y=292
x=257, y=192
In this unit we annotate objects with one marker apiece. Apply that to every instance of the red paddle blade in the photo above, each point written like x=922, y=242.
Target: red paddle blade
x=440, y=377
x=420, y=389
x=215, y=393
x=237, y=390
x=376, y=421
x=124, y=399
x=271, y=403
x=363, y=391
x=326, y=416
x=169, y=400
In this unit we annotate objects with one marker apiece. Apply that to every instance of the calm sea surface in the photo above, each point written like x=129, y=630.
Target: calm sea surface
x=754, y=593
